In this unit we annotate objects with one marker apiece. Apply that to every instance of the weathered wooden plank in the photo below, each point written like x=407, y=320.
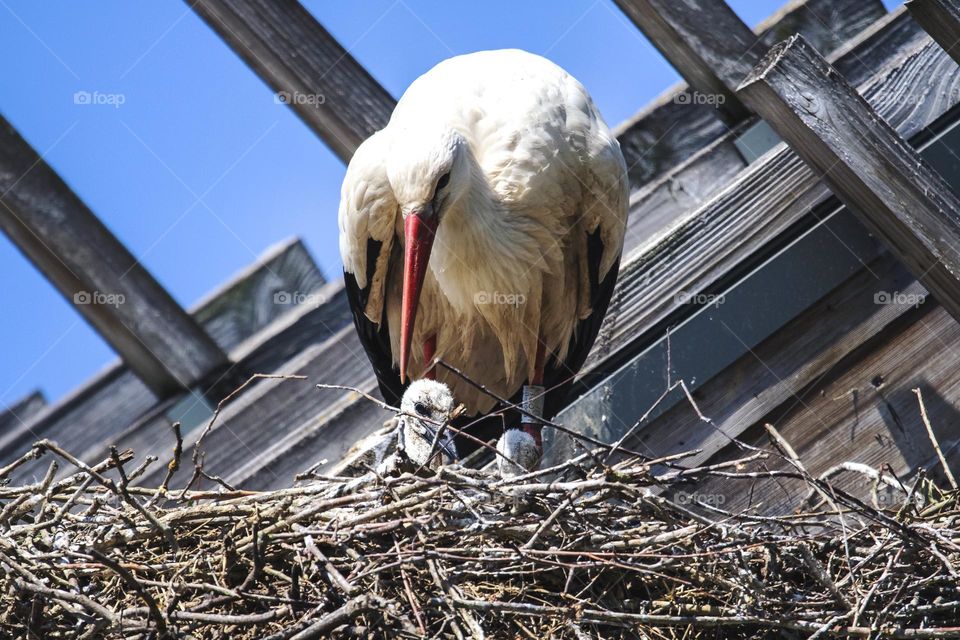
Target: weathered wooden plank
x=283, y=278
x=705, y=41
x=677, y=124
x=941, y=19
x=866, y=163
x=157, y=339
x=655, y=206
x=863, y=410
x=327, y=438
x=742, y=315
x=305, y=65
x=775, y=371
x=250, y=425
x=771, y=195
x=20, y=411
x=116, y=406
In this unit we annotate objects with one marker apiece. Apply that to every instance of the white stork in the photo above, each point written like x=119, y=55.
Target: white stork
x=484, y=225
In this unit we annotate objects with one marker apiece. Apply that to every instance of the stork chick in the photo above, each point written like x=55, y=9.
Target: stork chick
x=408, y=441
x=519, y=453
x=421, y=435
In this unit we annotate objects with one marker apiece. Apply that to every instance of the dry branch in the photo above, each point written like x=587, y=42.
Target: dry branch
x=599, y=553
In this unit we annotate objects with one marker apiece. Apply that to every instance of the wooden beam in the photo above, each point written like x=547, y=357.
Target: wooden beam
x=12, y=416
x=305, y=66
x=941, y=19
x=656, y=204
x=674, y=127
x=258, y=334
x=705, y=41
x=864, y=161
x=110, y=288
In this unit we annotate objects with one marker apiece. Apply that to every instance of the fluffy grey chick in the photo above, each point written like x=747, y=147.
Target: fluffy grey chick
x=519, y=453
x=424, y=409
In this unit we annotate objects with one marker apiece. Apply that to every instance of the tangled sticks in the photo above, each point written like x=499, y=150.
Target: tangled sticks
x=599, y=552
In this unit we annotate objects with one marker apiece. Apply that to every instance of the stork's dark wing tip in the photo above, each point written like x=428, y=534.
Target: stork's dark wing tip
x=375, y=337
x=559, y=376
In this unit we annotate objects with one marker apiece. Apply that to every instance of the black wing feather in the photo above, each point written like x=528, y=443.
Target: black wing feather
x=374, y=337
x=558, y=376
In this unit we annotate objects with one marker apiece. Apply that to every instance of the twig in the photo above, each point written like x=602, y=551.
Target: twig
x=933, y=439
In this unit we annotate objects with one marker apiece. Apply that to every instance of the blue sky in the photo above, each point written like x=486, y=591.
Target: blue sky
x=199, y=170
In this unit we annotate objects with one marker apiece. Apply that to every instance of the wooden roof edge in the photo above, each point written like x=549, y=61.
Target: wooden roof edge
x=45, y=423
x=774, y=191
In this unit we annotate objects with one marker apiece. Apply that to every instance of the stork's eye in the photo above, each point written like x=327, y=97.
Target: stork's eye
x=444, y=179
x=421, y=409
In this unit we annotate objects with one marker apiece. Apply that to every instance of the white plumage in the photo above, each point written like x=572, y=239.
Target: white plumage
x=504, y=158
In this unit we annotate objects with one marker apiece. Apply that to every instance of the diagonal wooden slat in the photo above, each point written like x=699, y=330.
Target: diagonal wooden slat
x=252, y=317
x=864, y=160
x=305, y=65
x=157, y=339
x=705, y=41
x=941, y=19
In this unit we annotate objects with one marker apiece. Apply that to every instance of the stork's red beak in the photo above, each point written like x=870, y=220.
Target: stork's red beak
x=418, y=231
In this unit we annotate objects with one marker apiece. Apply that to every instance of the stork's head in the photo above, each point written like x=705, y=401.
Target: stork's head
x=429, y=172
x=426, y=405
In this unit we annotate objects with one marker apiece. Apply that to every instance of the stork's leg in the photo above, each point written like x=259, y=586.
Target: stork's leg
x=522, y=448
x=533, y=400
x=429, y=351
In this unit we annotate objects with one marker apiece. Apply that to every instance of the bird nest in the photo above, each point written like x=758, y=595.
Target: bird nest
x=588, y=549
